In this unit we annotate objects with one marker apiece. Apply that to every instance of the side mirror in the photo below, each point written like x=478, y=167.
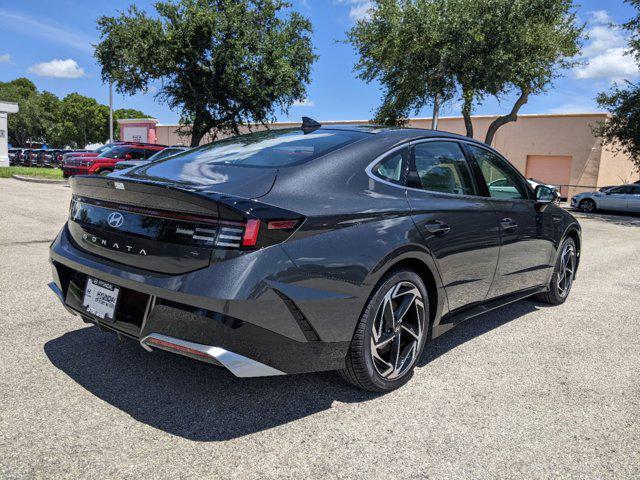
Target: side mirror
x=546, y=194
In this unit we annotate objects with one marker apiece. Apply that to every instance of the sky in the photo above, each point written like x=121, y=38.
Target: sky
x=50, y=42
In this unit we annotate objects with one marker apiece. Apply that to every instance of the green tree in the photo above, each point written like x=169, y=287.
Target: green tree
x=36, y=120
x=221, y=63
x=420, y=49
x=82, y=120
x=622, y=128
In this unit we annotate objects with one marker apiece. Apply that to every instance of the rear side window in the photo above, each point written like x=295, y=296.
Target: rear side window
x=442, y=167
x=390, y=168
x=271, y=148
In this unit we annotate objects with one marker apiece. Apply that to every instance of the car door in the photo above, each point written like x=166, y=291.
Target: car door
x=457, y=225
x=633, y=202
x=526, y=231
x=615, y=198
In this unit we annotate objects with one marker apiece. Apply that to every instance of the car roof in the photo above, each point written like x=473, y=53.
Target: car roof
x=405, y=133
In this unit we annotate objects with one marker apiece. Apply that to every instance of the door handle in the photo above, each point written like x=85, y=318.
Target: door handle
x=437, y=227
x=508, y=225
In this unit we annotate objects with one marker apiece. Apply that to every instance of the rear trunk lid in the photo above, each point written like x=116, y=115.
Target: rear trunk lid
x=236, y=180
x=155, y=225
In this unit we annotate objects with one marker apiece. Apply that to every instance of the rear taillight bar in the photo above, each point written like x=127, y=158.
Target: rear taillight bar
x=152, y=212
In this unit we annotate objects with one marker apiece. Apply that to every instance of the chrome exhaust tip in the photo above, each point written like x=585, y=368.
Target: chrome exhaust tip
x=239, y=365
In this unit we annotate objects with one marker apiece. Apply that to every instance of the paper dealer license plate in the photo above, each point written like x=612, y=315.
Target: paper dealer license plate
x=100, y=298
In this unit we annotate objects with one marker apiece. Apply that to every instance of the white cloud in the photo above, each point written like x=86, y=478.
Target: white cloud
x=604, y=55
x=612, y=64
x=5, y=58
x=600, y=17
x=152, y=90
x=359, y=9
x=304, y=103
x=49, y=31
x=68, y=68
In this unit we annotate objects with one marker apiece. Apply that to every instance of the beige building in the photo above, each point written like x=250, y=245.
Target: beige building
x=557, y=149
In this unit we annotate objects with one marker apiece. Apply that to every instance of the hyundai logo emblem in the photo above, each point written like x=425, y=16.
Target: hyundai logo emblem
x=115, y=219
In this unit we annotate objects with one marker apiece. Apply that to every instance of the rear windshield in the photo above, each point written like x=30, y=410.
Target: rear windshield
x=273, y=148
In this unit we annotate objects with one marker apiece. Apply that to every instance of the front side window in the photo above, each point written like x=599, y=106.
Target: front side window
x=390, y=168
x=502, y=179
x=442, y=167
x=620, y=190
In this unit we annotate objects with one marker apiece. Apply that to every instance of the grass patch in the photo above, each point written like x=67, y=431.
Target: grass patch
x=7, y=172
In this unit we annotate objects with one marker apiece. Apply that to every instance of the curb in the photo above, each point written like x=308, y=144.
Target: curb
x=39, y=180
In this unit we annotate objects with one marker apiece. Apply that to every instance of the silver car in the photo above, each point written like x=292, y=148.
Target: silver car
x=625, y=198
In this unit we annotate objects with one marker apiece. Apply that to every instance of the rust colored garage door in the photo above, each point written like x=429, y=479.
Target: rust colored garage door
x=553, y=169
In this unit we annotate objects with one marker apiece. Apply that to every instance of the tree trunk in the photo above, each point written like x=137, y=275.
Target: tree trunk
x=436, y=112
x=504, y=119
x=467, y=107
x=198, y=130
x=196, y=137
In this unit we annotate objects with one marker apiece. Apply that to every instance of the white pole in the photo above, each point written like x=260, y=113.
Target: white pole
x=110, y=112
x=436, y=112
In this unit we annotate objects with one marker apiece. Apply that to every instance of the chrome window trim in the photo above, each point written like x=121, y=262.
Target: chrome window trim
x=379, y=158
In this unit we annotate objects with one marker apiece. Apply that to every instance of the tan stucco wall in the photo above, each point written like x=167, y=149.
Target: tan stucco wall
x=557, y=135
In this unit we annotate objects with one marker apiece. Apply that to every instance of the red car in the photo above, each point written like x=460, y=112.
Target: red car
x=106, y=161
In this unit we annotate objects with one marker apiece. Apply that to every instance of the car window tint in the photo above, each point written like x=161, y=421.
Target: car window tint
x=635, y=191
x=618, y=190
x=270, y=148
x=502, y=179
x=390, y=168
x=442, y=167
x=136, y=153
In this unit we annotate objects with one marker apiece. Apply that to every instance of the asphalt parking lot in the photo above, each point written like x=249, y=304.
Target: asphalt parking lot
x=525, y=392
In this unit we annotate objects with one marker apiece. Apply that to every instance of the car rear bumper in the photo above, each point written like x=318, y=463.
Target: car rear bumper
x=252, y=335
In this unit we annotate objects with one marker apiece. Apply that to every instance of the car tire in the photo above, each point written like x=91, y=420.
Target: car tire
x=587, y=206
x=563, y=275
x=400, y=337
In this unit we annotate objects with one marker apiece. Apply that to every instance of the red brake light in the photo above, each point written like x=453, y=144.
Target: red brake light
x=250, y=237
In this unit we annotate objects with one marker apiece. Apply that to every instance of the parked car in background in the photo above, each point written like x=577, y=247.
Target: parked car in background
x=307, y=249
x=167, y=152
x=14, y=153
x=604, y=189
x=106, y=161
x=625, y=198
x=25, y=157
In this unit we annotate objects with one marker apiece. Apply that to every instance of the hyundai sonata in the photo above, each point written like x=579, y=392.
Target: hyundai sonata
x=312, y=248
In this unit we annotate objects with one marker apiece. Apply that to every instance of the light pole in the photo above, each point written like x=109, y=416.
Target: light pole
x=110, y=112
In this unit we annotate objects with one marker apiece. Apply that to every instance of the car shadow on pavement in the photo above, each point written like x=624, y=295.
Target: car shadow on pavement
x=201, y=402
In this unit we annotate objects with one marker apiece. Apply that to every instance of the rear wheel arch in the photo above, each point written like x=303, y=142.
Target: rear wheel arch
x=573, y=233
x=426, y=272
